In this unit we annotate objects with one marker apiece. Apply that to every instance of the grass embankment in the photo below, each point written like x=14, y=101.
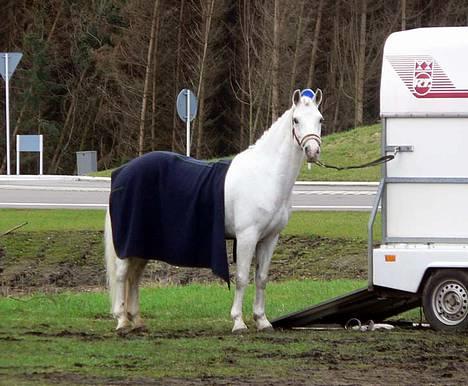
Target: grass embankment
x=353, y=147
x=64, y=248
x=349, y=225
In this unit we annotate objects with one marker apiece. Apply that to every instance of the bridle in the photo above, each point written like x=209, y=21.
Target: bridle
x=301, y=142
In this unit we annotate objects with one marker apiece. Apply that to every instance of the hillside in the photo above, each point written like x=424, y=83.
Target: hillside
x=352, y=147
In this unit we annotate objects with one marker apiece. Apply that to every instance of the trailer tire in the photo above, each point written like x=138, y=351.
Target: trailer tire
x=445, y=300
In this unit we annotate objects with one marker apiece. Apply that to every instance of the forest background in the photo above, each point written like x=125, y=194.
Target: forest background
x=104, y=74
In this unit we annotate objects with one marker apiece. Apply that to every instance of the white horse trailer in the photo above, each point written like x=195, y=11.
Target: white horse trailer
x=423, y=258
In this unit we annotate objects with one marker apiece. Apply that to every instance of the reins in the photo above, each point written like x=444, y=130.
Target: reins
x=378, y=161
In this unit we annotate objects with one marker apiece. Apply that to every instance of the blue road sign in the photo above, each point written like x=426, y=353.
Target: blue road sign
x=182, y=104
x=13, y=60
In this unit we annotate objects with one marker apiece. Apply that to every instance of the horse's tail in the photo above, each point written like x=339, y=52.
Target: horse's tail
x=110, y=256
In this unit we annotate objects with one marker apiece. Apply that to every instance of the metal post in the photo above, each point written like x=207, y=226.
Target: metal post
x=188, y=123
x=18, y=146
x=41, y=155
x=7, y=114
x=370, y=234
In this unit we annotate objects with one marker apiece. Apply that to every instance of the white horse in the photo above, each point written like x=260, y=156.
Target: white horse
x=258, y=188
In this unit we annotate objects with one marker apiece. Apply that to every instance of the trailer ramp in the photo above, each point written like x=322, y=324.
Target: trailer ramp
x=365, y=304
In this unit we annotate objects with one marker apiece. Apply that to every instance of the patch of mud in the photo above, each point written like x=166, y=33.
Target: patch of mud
x=66, y=334
x=399, y=357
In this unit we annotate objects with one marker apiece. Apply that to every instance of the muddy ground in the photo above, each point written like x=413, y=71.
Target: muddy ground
x=49, y=262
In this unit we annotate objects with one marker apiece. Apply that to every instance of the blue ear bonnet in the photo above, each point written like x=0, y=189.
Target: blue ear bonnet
x=308, y=93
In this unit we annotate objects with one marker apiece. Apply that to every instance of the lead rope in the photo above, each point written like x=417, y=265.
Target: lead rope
x=378, y=161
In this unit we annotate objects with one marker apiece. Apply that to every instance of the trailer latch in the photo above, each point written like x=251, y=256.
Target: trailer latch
x=399, y=148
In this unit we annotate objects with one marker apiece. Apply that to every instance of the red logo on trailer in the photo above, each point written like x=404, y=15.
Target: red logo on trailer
x=424, y=78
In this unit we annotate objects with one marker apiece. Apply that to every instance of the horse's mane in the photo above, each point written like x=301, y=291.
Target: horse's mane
x=274, y=127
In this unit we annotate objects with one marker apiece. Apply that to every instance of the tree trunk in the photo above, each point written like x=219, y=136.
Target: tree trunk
x=275, y=65
x=313, y=53
x=359, y=107
x=177, y=74
x=59, y=148
x=141, y=136
x=60, y=145
x=297, y=47
x=200, y=91
x=403, y=14
x=154, y=88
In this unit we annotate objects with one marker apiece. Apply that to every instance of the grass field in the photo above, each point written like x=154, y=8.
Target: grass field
x=68, y=338
x=70, y=335
x=353, y=147
x=327, y=224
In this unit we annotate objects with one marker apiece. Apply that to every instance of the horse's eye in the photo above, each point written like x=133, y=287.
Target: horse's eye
x=295, y=121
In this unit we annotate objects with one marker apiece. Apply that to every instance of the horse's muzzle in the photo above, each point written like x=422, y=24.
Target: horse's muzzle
x=312, y=151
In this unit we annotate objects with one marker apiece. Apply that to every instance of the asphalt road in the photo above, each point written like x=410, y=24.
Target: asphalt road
x=93, y=193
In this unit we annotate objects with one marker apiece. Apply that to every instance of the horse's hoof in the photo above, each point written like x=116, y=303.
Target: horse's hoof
x=263, y=324
x=239, y=328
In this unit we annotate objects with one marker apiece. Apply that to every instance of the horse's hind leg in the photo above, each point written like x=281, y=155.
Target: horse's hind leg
x=120, y=305
x=136, y=269
x=264, y=252
x=245, y=249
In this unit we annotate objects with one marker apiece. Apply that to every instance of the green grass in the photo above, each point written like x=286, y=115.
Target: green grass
x=326, y=224
x=353, y=147
x=52, y=219
x=168, y=307
x=72, y=332
x=70, y=336
x=349, y=225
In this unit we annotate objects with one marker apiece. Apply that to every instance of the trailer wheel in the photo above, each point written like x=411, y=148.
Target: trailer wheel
x=445, y=300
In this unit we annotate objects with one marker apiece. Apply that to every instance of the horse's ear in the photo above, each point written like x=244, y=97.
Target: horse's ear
x=296, y=97
x=318, y=97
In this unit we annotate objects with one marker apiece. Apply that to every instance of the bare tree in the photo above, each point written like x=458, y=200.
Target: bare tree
x=149, y=57
x=275, y=62
x=313, y=52
x=403, y=14
x=359, y=88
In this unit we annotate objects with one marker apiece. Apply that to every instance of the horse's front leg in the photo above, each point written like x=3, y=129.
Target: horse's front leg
x=264, y=252
x=246, y=244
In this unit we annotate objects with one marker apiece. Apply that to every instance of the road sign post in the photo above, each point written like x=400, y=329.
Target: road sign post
x=188, y=125
x=8, y=63
x=187, y=110
x=7, y=113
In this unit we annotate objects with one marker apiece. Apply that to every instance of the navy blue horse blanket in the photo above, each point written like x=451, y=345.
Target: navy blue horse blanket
x=165, y=206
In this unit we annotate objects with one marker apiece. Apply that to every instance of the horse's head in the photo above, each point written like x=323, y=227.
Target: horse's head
x=307, y=122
